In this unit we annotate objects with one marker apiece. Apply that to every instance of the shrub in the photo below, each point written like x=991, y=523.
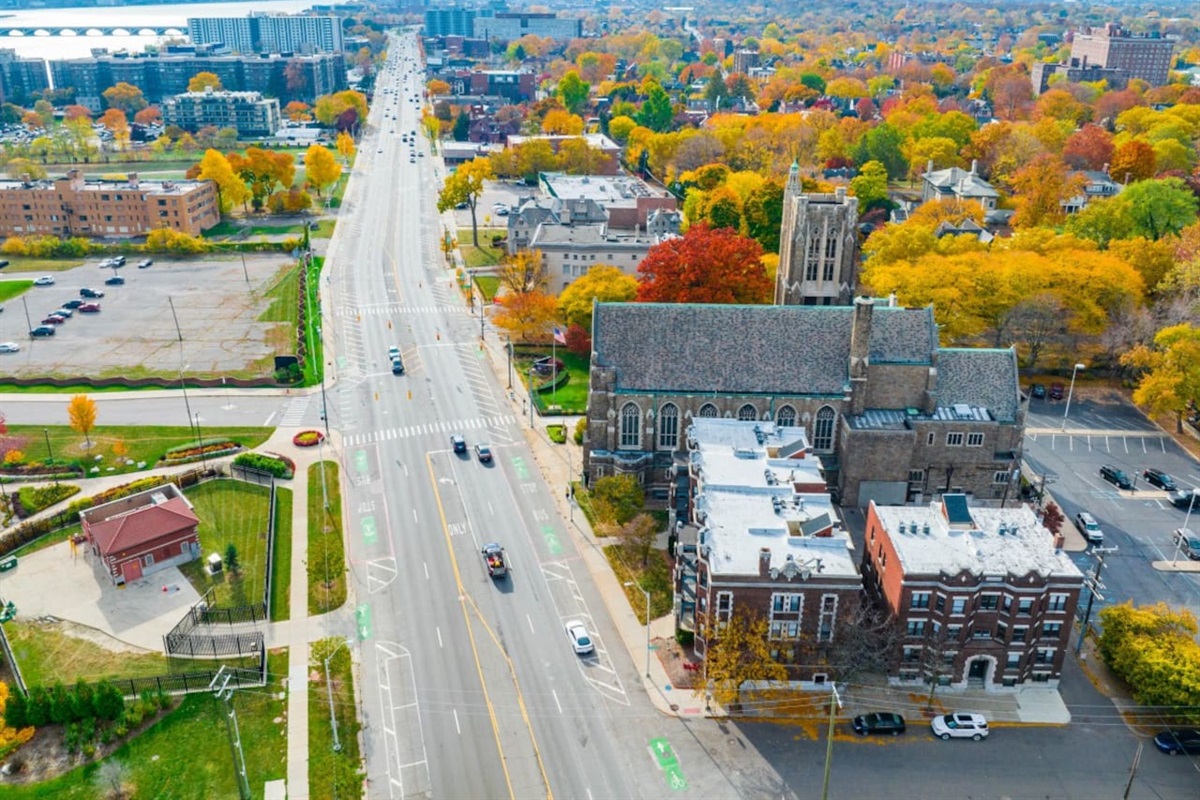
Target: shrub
x=184, y=454
x=35, y=498
x=557, y=433
x=279, y=466
x=685, y=638
x=580, y=430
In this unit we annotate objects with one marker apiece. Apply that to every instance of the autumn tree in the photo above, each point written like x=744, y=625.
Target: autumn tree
x=298, y=111
x=572, y=92
x=115, y=121
x=762, y=211
x=1053, y=518
x=321, y=169
x=1169, y=371
x=1132, y=161
x=465, y=185
x=264, y=171
x=577, y=157
x=81, y=412
x=870, y=186
x=345, y=146
x=559, y=122
x=740, y=653
x=126, y=97
x=638, y=537
x=1160, y=208
x=523, y=271
x=231, y=187
x=1090, y=147
x=1153, y=650
x=1041, y=187
x=602, y=283
x=16, y=168
x=76, y=111
x=704, y=266
x=617, y=498
x=526, y=315
x=150, y=115
x=204, y=80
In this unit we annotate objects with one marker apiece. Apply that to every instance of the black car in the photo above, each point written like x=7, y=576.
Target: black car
x=94, y=294
x=1156, y=477
x=1186, y=498
x=1179, y=740
x=42, y=330
x=1038, y=390
x=1116, y=477
x=882, y=722
x=397, y=366
x=115, y=280
x=459, y=443
x=72, y=304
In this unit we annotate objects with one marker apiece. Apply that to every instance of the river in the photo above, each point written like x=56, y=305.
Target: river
x=56, y=47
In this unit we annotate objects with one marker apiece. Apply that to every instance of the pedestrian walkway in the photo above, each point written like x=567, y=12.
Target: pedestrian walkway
x=444, y=427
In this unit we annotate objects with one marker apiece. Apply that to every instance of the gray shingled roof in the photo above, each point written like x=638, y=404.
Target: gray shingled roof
x=664, y=347
x=986, y=378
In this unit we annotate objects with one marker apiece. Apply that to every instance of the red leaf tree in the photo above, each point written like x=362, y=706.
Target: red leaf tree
x=1090, y=147
x=705, y=266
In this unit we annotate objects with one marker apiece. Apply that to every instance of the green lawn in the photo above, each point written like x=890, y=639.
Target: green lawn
x=571, y=397
x=30, y=264
x=332, y=775
x=281, y=586
x=231, y=512
x=324, y=229
x=52, y=538
x=656, y=577
x=13, y=288
x=230, y=228
x=314, y=364
x=489, y=286
x=84, y=388
x=116, y=444
x=326, y=549
x=483, y=256
x=283, y=294
x=186, y=755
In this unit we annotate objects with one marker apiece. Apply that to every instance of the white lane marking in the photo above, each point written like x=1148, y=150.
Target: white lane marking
x=560, y=711
x=267, y=424
x=414, y=515
x=425, y=564
x=491, y=510
x=531, y=630
x=456, y=725
x=439, y=634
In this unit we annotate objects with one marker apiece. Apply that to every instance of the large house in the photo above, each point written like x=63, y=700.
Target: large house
x=892, y=416
x=984, y=596
x=143, y=533
x=957, y=184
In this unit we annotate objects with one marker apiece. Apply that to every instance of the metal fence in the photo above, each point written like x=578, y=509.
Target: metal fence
x=251, y=475
x=272, y=524
x=12, y=662
x=213, y=646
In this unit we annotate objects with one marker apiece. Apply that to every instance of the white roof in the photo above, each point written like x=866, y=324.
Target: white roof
x=980, y=547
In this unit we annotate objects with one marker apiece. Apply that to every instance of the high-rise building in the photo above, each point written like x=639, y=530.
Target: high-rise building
x=450, y=22
x=1145, y=56
x=817, y=247
x=506, y=26
x=21, y=77
x=270, y=33
x=249, y=113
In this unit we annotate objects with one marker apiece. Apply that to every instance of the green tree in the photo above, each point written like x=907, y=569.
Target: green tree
x=232, y=562
x=740, y=653
x=883, y=144
x=763, y=213
x=1170, y=371
x=465, y=185
x=617, y=498
x=870, y=186
x=656, y=112
x=1159, y=208
x=715, y=91
x=573, y=92
x=462, y=127
x=1154, y=650
x=603, y=283
x=1102, y=221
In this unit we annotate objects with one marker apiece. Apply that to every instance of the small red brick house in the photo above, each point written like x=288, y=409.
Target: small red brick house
x=143, y=533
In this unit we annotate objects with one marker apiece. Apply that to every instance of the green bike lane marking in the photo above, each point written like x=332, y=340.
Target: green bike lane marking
x=362, y=620
x=369, y=533
x=551, y=538
x=360, y=461
x=664, y=756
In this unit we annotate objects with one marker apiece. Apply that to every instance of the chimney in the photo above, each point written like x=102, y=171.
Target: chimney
x=76, y=180
x=974, y=166
x=134, y=181
x=1104, y=169
x=1058, y=542
x=929, y=165
x=764, y=562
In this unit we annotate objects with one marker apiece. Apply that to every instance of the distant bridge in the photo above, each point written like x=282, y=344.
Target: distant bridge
x=90, y=31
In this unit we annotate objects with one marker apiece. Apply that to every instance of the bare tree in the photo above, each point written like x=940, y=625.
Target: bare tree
x=112, y=780
x=872, y=648
x=638, y=536
x=1040, y=322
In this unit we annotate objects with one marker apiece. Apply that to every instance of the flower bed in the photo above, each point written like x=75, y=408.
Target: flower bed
x=308, y=438
x=207, y=449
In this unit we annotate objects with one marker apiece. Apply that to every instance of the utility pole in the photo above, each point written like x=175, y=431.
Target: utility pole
x=1092, y=582
x=835, y=702
x=1137, y=759
x=225, y=694
x=337, y=745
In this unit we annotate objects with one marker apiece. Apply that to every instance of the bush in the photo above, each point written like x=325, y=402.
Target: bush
x=279, y=466
x=35, y=498
x=557, y=433
x=187, y=453
x=292, y=373
x=580, y=430
x=685, y=638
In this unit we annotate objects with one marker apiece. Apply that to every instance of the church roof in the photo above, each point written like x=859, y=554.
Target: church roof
x=979, y=377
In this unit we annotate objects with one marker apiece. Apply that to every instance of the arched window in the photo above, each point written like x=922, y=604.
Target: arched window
x=747, y=413
x=786, y=417
x=823, y=429
x=668, y=427
x=708, y=410
x=631, y=425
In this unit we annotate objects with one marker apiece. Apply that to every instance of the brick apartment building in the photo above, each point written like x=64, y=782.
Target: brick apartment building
x=73, y=206
x=985, y=596
x=769, y=541
x=1146, y=56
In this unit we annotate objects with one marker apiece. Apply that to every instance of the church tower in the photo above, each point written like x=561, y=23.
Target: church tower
x=818, y=246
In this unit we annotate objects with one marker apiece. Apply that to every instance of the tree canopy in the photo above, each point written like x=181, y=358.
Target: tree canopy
x=705, y=266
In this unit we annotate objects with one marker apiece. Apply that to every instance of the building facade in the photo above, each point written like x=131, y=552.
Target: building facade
x=768, y=542
x=985, y=597
x=569, y=251
x=1073, y=71
x=73, y=206
x=818, y=247
x=143, y=533
x=892, y=416
x=269, y=33
x=1146, y=56
x=505, y=26
x=21, y=77
x=628, y=201
x=450, y=22
x=249, y=113
x=957, y=184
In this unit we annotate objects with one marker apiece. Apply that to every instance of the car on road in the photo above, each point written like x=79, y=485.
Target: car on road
x=145, y=262
x=1156, y=477
x=393, y=352
x=458, y=443
x=106, y=263
x=483, y=452
x=94, y=294
x=881, y=722
x=53, y=320
x=63, y=312
x=1089, y=527
x=1057, y=391
x=1178, y=741
x=493, y=558
x=1116, y=477
x=72, y=304
x=3, y=263
x=1186, y=498
x=115, y=280
x=9, y=347
x=118, y=261
x=45, y=280
x=1038, y=390
x=89, y=308
x=397, y=366
x=42, y=330
x=960, y=725
x=1187, y=541
x=578, y=635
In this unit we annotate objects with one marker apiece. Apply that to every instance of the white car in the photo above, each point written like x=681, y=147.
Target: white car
x=960, y=725
x=9, y=347
x=45, y=280
x=578, y=635
x=393, y=353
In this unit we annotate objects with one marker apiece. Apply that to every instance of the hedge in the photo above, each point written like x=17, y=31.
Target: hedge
x=34, y=498
x=279, y=466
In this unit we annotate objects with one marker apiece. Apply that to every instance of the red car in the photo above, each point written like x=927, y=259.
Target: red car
x=53, y=320
x=88, y=308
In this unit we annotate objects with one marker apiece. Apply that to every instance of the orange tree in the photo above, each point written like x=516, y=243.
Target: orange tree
x=705, y=266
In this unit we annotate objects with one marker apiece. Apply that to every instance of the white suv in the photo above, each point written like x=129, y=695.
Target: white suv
x=1089, y=527
x=960, y=725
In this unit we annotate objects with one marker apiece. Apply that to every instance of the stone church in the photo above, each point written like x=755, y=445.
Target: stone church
x=818, y=247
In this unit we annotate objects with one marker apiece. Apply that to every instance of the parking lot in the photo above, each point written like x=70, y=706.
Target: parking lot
x=134, y=333
x=506, y=192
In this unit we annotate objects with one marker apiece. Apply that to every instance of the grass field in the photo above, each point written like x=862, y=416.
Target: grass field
x=52, y=538
x=29, y=264
x=332, y=775
x=82, y=388
x=281, y=587
x=231, y=512
x=117, y=444
x=314, y=364
x=483, y=256
x=13, y=288
x=571, y=397
x=326, y=550
x=186, y=755
x=324, y=229
x=655, y=577
x=489, y=286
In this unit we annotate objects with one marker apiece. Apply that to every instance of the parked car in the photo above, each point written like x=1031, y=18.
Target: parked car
x=397, y=366
x=3, y=263
x=72, y=304
x=1038, y=390
x=106, y=263
x=45, y=280
x=1185, y=499
x=42, y=330
x=1089, y=527
x=882, y=722
x=94, y=294
x=115, y=280
x=483, y=453
x=63, y=312
x=960, y=725
x=1156, y=477
x=578, y=635
x=1057, y=391
x=9, y=347
x=53, y=320
x=1178, y=740
x=89, y=308
x=145, y=262
x=118, y=261
x=1188, y=542
x=458, y=443
x=1116, y=477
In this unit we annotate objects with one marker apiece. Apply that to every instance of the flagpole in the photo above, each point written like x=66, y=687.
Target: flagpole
x=554, y=365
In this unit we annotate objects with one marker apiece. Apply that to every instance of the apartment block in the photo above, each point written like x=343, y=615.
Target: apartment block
x=506, y=26
x=1145, y=56
x=270, y=33
x=249, y=113
x=21, y=77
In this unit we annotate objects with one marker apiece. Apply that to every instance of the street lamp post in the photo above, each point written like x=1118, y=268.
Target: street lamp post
x=337, y=745
x=200, y=445
x=1070, y=392
x=1185, y=531
x=835, y=702
x=50, y=453
x=647, y=593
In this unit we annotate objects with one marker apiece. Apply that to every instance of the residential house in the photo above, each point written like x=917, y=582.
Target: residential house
x=957, y=184
x=1098, y=185
x=143, y=533
x=985, y=596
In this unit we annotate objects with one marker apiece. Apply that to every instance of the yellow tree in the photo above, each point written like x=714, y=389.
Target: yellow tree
x=345, y=146
x=321, y=169
x=465, y=185
x=1170, y=371
x=562, y=123
x=1041, y=187
x=126, y=97
x=602, y=282
x=740, y=653
x=204, y=80
x=524, y=271
x=81, y=412
x=526, y=315
x=231, y=187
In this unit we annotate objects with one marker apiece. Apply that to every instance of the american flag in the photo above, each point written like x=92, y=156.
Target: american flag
x=559, y=336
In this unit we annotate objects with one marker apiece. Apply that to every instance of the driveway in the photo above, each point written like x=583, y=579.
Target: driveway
x=53, y=582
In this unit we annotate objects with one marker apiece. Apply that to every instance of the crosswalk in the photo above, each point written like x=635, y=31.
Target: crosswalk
x=394, y=309
x=293, y=412
x=429, y=428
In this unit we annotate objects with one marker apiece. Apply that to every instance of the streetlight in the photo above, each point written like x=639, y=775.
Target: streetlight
x=647, y=593
x=50, y=453
x=1185, y=531
x=337, y=745
x=1070, y=392
x=835, y=702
